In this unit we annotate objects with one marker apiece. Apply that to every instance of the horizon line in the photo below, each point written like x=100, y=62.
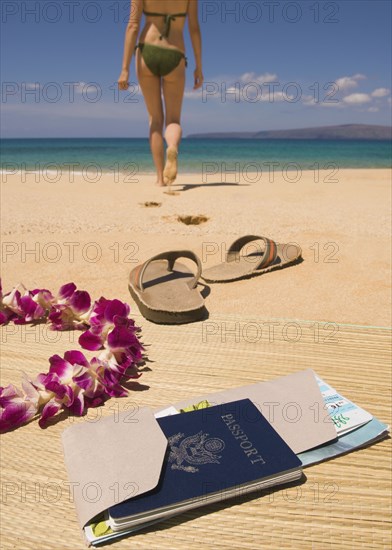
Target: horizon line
x=209, y=132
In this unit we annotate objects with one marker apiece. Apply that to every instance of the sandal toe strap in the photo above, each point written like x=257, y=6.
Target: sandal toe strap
x=268, y=257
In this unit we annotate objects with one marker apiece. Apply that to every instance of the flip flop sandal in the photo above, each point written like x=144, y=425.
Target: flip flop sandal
x=165, y=290
x=272, y=256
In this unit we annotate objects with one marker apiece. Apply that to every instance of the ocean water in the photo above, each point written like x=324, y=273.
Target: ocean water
x=196, y=155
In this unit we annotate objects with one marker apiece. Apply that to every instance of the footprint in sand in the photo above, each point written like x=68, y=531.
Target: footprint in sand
x=151, y=204
x=192, y=220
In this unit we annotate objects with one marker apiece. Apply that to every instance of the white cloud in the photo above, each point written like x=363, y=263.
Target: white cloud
x=357, y=99
x=373, y=109
x=347, y=82
x=92, y=88
x=381, y=92
x=80, y=87
x=245, y=95
x=277, y=96
x=327, y=104
x=260, y=79
x=32, y=86
x=310, y=101
x=193, y=94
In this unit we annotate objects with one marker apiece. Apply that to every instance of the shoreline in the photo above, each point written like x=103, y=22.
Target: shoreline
x=151, y=173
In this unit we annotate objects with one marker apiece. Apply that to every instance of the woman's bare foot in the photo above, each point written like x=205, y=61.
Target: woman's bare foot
x=159, y=182
x=170, y=171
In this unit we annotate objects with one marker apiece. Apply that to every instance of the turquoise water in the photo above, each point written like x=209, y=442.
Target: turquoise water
x=197, y=155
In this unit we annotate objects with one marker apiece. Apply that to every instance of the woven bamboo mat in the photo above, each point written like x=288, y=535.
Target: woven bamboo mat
x=345, y=502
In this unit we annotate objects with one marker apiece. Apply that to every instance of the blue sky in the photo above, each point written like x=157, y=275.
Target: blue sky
x=267, y=65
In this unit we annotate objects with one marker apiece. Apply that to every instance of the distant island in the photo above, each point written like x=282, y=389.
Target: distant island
x=344, y=131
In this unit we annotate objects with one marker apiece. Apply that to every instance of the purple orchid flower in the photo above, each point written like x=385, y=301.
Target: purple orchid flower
x=72, y=309
x=15, y=409
x=124, y=344
x=110, y=328
x=108, y=378
x=25, y=306
x=65, y=385
x=102, y=319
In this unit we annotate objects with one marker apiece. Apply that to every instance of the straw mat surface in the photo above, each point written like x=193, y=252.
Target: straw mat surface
x=344, y=502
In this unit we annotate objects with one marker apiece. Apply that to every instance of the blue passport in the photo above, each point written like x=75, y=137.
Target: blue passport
x=213, y=454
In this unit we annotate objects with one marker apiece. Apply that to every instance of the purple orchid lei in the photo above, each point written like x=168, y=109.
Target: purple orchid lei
x=73, y=383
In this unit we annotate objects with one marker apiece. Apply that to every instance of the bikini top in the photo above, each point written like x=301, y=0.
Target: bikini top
x=168, y=19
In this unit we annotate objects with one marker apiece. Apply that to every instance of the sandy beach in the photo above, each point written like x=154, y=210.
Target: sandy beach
x=94, y=233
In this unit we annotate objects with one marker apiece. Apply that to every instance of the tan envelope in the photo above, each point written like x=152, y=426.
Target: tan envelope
x=293, y=404
x=113, y=459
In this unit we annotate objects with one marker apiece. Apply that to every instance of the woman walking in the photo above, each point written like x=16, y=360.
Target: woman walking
x=160, y=69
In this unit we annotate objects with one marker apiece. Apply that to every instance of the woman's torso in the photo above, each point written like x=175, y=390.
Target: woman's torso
x=155, y=24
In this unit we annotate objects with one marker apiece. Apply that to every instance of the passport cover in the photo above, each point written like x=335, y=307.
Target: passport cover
x=212, y=450
x=293, y=404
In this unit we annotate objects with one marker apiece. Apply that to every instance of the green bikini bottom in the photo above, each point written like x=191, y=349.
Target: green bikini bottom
x=161, y=61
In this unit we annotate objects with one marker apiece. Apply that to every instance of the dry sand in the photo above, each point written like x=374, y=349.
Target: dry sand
x=94, y=233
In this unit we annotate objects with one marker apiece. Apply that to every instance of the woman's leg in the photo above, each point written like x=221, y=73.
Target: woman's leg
x=150, y=85
x=173, y=93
